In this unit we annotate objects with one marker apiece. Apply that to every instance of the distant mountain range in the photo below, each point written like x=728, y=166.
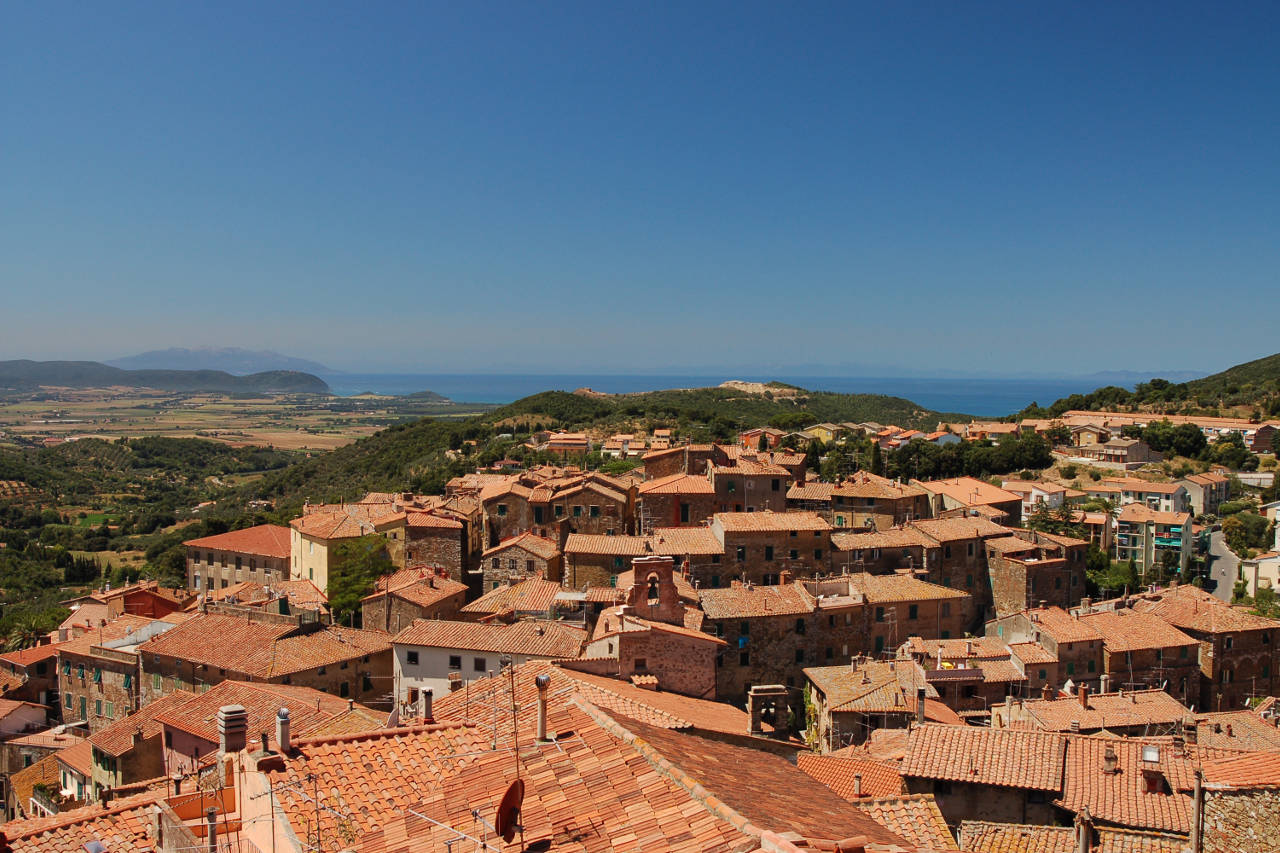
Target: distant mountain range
x=234, y=360
x=24, y=375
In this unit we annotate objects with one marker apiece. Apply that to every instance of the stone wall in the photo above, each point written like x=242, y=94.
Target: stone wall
x=1242, y=821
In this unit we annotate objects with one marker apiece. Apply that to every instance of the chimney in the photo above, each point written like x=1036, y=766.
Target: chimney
x=1104, y=683
x=857, y=785
x=1084, y=696
x=1075, y=726
x=137, y=737
x=211, y=819
x=1197, y=813
x=233, y=723
x=1084, y=831
x=283, y=743
x=542, y=682
x=1046, y=692
x=427, y=696
x=1110, y=761
x=1189, y=730
x=177, y=785
x=919, y=704
x=1085, y=604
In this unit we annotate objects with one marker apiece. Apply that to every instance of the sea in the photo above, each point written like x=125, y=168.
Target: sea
x=979, y=397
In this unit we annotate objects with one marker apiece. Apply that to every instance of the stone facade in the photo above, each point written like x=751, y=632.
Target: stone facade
x=98, y=688
x=1242, y=820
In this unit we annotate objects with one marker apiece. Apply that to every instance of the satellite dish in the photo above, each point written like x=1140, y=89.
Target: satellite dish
x=509, y=810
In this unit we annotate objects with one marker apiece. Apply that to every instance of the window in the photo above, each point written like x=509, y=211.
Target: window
x=366, y=684
x=641, y=664
x=66, y=701
x=799, y=655
x=559, y=510
x=913, y=612
x=1182, y=652
x=156, y=683
x=66, y=667
x=128, y=680
x=793, y=554
x=80, y=671
x=97, y=707
x=768, y=555
x=412, y=658
x=537, y=515
x=829, y=653
x=946, y=552
x=715, y=581
x=97, y=675
x=111, y=709
x=1044, y=674
x=1093, y=665
x=744, y=658
x=455, y=661
x=1228, y=641
x=879, y=644
x=577, y=510
x=970, y=549
x=742, y=553
x=775, y=484
x=715, y=559
x=1071, y=668
x=879, y=614
x=730, y=486
x=618, y=563
x=744, y=628
x=595, y=512
x=344, y=690
x=321, y=671
x=684, y=513
x=800, y=626
x=502, y=510
x=479, y=664
x=817, y=553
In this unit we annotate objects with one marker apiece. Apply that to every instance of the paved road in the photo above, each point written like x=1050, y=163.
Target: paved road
x=1223, y=566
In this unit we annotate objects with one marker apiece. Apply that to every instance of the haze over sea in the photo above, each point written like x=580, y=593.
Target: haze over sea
x=982, y=397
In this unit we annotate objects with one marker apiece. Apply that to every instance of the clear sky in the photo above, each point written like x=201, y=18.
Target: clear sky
x=572, y=187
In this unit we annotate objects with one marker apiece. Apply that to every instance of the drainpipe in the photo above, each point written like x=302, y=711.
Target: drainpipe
x=1197, y=814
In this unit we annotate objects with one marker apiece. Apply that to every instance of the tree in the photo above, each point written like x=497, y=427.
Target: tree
x=354, y=569
x=877, y=459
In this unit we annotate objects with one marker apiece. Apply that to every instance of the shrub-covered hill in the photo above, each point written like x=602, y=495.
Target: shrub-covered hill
x=24, y=375
x=415, y=455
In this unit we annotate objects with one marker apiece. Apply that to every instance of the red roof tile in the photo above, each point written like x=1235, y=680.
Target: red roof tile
x=531, y=595
x=265, y=540
x=1003, y=757
x=533, y=638
x=983, y=837
x=838, y=773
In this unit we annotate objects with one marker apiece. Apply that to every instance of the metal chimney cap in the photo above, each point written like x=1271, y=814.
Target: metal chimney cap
x=282, y=714
x=543, y=681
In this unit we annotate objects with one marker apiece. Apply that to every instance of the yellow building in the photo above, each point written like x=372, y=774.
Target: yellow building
x=321, y=528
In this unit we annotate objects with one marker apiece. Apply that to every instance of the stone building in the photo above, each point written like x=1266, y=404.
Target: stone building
x=869, y=502
x=677, y=500
x=212, y=648
x=1071, y=646
x=685, y=459
x=899, y=606
x=418, y=592
x=1241, y=804
x=523, y=556
x=958, y=556
x=1142, y=650
x=653, y=637
x=850, y=701
x=596, y=560
x=880, y=551
x=98, y=670
x=131, y=749
x=1026, y=574
x=1239, y=652
x=751, y=484
x=32, y=675
x=760, y=546
x=259, y=554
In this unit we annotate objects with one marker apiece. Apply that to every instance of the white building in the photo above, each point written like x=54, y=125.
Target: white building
x=441, y=655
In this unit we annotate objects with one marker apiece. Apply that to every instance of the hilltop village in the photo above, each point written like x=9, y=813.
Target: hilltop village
x=715, y=649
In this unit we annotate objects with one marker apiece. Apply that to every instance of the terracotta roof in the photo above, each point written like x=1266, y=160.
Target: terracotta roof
x=43, y=772
x=627, y=623
x=340, y=521
x=79, y=758
x=769, y=521
x=1122, y=798
x=308, y=709
x=677, y=484
x=117, y=738
x=118, y=628
x=1011, y=545
x=1192, y=609
x=959, y=529
x=812, y=490
x=123, y=826
x=871, y=686
x=33, y=654
x=837, y=772
x=864, y=484
x=1032, y=653
x=983, y=837
x=988, y=648
x=883, y=589
x=890, y=537
x=259, y=649
x=531, y=542
x=915, y=817
x=1133, y=484
x=531, y=595
x=421, y=586
x=477, y=703
x=743, y=601
x=302, y=593
x=266, y=540
x=969, y=490
x=1255, y=770
x=1141, y=514
x=685, y=541
x=1003, y=757
x=1130, y=709
x=1127, y=630
x=1063, y=626
x=436, y=520
x=1237, y=730
x=541, y=639
x=616, y=546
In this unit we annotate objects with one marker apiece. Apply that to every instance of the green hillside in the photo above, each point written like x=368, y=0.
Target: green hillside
x=1251, y=389
x=26, y=375
x=415, y=455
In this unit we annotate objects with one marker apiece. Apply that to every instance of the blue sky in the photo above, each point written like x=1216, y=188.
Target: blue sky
x=571, y=187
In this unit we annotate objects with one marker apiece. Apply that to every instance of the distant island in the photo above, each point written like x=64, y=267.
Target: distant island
x=25, y=375
x=233, y=360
